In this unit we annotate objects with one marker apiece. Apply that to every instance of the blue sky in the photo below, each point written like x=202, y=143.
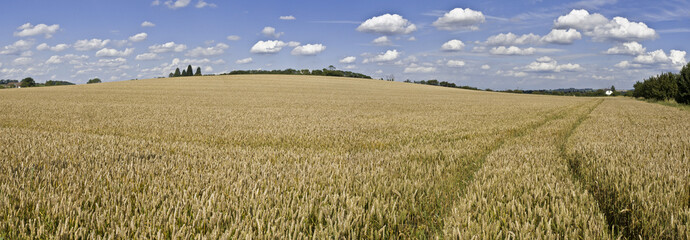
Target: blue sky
x=522, y=44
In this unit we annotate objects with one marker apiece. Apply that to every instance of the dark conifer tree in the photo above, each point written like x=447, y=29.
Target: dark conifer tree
x=190, y=71
x=198, y=71
x=177, y=73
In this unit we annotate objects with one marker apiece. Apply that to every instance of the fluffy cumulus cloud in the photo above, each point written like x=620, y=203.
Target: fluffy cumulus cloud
x=203, y=4
x=510, y=39
x=293, y=44
x=627, y=64
x=109, y=52
x=486, y=67
x=147, y=56
x=382, y=41
x=209, y=51
x=268, y=47
x=349, y=59
x=69, y=58
x=89, y=45
x=512, y=50
x=167, y=47
x=562, y=36
x=28, y=30
x=459, y=19
x=387, y=56
x=271, y=32
x=234, y=38
x=16, y=47
x=675, y=57
x=290, y=17
x=177, y=4
x=580, y=19
x=57, y=48
x=601, y=29
x=22, y=61
x=628, y=48
x=138, y=37
x=547, y=64
x=453, y=46
x=113, y=62
x=387, y=24
x=147, y=24
x=308, y=50
x=415, y=68
x=244, y=61
x=455, y=63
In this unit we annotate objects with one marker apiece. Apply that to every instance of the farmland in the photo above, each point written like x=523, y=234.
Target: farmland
x=270, y=156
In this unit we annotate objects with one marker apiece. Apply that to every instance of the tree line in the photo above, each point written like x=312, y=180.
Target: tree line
x=330, y=71
x=30, y=82
x=185, y=73
x=666, y=86
x=435, y=82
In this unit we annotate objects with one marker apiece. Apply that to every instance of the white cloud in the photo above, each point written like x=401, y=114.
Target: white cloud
x=208, y=69
x=244, y=60
x=293, y=44
x=412, y=39
x=512, y=50
x=22, y=61
x=382, y=41
x=271, y=32
x=458, y=19
x=511, y=73
x=627, y=64
x=209, y=51
x=70, y=58
x=600, y=28
x=147, y=24
x=109, y=52
x=203, y=4
x=620, y=29
x=562, y=36
x=547, y=64
x=388, y=56
x=628, y=48
x=290, y=17
x=156, y=3
x=233, y=38
x=486, y=67
x=580, y=19
x=268, y=47
x=177, y=4
x=138, y=37
x=57, y=48
x=28, y=30
x=387, y=24
x=676, y=57
x=349, y=59
x=16, y=47
x=147, y=56
x=308, y=50
x=88, y=45
x=510, y=39
x=455, y=63
x=453, y=46
x=414, y=68
x=167, y=47
x=113, y=62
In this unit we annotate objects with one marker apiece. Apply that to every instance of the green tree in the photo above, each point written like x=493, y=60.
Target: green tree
x=331, y=67
x=27, y=82
x=177, y=73
x=198, y=71
x=184, y=72
x=190, y=71
x=683, y=95
x=171, y=75
x=95, y=80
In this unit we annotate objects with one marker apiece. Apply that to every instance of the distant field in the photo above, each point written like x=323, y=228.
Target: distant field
x=266, y=156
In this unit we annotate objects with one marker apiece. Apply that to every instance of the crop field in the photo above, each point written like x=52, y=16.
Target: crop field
x=294, y=157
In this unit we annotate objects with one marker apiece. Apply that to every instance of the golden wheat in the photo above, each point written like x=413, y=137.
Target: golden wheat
x=266, y=156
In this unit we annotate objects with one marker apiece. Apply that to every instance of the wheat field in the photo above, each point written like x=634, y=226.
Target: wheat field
x=295, y=157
